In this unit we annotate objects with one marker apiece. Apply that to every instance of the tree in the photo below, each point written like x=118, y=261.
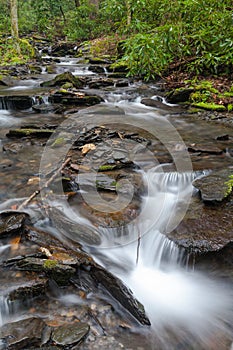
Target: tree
x=14, y=24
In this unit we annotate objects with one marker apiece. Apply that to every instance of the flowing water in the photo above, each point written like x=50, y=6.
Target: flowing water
x=181, y=303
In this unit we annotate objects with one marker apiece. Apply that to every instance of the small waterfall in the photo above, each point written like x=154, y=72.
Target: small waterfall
x=177, y=301
x=4, y=309
x=15, y=102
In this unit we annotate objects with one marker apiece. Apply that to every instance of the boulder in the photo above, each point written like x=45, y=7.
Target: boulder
x=62, y=79
x=205, y=228
x=179, y=95
x=216, y=186
x=12, y=222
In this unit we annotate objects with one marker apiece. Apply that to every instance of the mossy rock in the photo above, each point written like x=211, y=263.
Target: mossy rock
x=210, y=106
x=18, y=133
x=179, y=95
x=63, y=79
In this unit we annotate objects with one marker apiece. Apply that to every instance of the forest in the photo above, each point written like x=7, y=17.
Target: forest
x=154, y=35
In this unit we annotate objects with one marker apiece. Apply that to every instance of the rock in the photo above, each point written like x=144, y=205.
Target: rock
x=61, y=273
x=101, y=83
x=70, y=334
x=46, y=108
x=69, y=98
x=103, y=343
x=205, y=148
x=99, y=60
x=224, y=137
x=120, y=292
x=19, y=133
x=12, y=222
x=156, y=103
x=63, y=78
x=28, y=290
x=102, y=182
x=22, y=334
x=16, y=102
x=96, y=69
x=13, y=147
x=205, y=228
x=179, y=95
x=63, y=49
x=216, y=186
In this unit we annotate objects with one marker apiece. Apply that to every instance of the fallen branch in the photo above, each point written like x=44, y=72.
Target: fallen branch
x=47, y=183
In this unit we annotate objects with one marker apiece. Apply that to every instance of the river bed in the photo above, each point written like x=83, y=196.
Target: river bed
x=188, y=309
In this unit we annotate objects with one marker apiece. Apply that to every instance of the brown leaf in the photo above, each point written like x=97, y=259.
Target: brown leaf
x=88, y=147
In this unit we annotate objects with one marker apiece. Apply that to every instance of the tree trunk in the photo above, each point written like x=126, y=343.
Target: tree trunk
x=129, y=13
x=14, y=24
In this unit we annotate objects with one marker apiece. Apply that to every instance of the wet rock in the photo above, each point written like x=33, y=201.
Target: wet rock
x=101, y=83
x=69, y=98
x=46, y=108
x=205, y=228
x=120, y=292
x=16, y=102
x=62, y=79
x=102, y=182
x=103, y=343
x=156, y=103
x=13, y=147
x=22, y=334
x=38, y=133
x=61, y=273
x=204, y=148
x=12, y=222
x=179, y=95
x=216, y=186
x=96, y=69
x=224, y=137
x=63, y=49
x=70, y=334
x=99, y=60
x=28, y=290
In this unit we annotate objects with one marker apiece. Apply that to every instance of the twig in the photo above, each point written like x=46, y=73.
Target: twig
x=47, y=183
x=138, y=245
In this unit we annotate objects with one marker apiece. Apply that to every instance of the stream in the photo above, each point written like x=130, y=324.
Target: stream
x=188, y=309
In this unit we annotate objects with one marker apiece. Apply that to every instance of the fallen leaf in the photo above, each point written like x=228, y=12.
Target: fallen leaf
x=15, y=243
x=88, y=147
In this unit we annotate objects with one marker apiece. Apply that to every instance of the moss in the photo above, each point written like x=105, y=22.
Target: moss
x=50, y=264
x=106, y=167
x=229, y=186
x=230, y=107
x=228, y=94
x=205, y=85
x=210, y=106
x=58, y=142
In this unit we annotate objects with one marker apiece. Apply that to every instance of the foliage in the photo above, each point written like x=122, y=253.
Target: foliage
x=9, y=53
x=229, y=185
x=198, y=34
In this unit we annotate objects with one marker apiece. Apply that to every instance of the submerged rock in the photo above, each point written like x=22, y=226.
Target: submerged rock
x=22, y=334
x=12, y=222
x=70, y=334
